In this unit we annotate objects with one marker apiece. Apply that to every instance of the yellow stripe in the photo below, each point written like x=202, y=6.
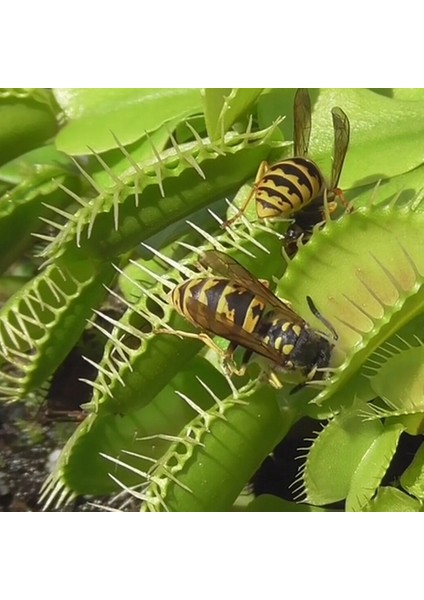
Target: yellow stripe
x=297, y=330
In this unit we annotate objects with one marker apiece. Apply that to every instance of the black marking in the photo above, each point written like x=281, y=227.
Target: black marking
x=214, y=292
x=309, y=165
x=281, y=184
x=240, y=302
x=194, y=287
x=282, y=202
x=293, y=170
x=182, y=291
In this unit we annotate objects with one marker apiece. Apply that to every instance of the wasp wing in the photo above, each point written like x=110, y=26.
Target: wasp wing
x=302, y=122
x=341, y=127
x=231, y=269
x=218, y=324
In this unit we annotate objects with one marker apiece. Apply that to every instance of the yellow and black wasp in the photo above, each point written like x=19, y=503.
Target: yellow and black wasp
x=295, y=187
x=241, y=309
x=312, y=215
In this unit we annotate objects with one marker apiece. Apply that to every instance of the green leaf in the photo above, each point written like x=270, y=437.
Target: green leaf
x=335, y=455
x=40, y=174
x=410, y=94
x=389, y=144
x=21, y=168
x=94, y=113
x=389, y=499
x=365, y=272
x=24, y=124
x=141, y=151
x=217, y=454
x=82, y=469
x=386, y=132
x=269, y=503
x=373, y=466
x=45, y=318
x=400, y=381
x=412, y=479
x=151, y=196
x=223, y=106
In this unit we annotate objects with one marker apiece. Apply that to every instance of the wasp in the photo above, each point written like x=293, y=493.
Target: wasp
x=314, y=215
x=240, y=308
x=291, y=186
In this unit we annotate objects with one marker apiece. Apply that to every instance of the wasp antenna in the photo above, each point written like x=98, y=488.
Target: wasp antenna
x=319, y=316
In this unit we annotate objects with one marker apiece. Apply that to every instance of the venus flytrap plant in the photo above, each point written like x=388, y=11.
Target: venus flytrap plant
x=30, y=182
x=161, y=191
x=381, y=291
x=208, y=475
x=394, y=294
x=44, y=320
x=137, y=365
x=359, y=495
x=163, y=421
x=180, y=164
x=144, y=430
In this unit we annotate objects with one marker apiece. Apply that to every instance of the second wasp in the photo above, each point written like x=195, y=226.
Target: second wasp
x=295, y=188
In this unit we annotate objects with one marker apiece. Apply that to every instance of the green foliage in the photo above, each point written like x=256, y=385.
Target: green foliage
x=129, y=216
x=94, y=116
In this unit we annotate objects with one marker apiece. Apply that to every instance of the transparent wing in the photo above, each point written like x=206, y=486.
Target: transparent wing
x=218, y=324
x=302, y=122
x=233, y=270
x=341, y=127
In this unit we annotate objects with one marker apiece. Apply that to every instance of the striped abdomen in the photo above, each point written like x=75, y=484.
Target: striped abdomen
x=287, y=187
x=221, y=297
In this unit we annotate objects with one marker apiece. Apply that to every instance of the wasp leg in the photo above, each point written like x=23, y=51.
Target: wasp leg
x=263, y=168
x=274, y=381
x=344, y=202
x=226, y=356
x=270, y=376
x=229, y=364
x=329, y=208
x=203, y=337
